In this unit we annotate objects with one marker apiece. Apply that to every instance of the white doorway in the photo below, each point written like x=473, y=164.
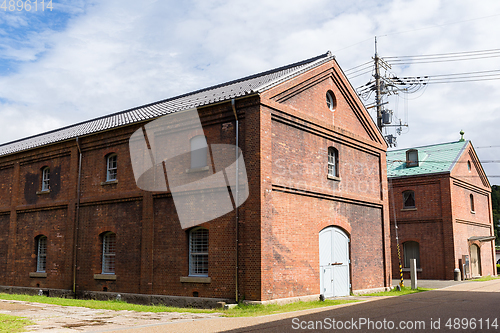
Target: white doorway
x=475, y=260
x=334, y=262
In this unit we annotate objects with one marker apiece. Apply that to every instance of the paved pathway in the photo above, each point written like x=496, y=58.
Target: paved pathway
x=477, y=302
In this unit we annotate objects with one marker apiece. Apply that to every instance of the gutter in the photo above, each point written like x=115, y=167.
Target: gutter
x=236, y=197
x=77, y=217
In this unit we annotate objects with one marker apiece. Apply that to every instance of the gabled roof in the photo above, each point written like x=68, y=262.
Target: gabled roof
x=249, y=85
x=432, y=159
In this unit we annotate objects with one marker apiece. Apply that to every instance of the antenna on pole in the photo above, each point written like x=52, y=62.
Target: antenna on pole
x=384, y=86
x=377, y=91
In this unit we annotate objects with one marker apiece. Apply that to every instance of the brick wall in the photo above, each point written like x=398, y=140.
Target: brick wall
x=277, y=237
x=303, y=200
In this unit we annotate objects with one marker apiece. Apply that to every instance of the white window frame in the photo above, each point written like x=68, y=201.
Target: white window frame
x=46, y=179
x=108, y=254
x=411, y=158
x=199, y=152
x=331, y=100
x=111, y=167
x=333, y=162
x=41, y=254
x=198, y=252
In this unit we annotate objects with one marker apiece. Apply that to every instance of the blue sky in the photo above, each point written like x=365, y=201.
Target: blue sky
x=85, y=59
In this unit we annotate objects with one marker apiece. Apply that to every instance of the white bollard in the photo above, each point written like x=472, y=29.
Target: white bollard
x=413, y=273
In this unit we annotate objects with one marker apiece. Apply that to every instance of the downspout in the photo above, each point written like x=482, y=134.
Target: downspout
x=77, y=213
x=236, y=197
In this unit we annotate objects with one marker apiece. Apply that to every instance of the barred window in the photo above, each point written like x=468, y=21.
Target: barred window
x=198, y=252
x=46, y=179
x=41, y=253
x=411, y=250
x=199, y=151
x=111, y=167
x=333, y=162
x=108, y=253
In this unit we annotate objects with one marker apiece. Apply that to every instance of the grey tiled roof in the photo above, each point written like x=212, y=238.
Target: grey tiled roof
x=249, y=85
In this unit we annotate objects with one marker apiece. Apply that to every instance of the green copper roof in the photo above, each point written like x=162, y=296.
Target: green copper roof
x=432, y=159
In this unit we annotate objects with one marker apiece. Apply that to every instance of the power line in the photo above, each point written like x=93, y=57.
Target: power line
x=446, y=54
x=366, y=63
x=394, y=63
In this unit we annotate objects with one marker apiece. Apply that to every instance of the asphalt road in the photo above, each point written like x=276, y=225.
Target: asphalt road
x=466, y=307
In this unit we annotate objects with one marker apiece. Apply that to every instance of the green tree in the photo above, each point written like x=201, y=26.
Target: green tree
x=495, y=202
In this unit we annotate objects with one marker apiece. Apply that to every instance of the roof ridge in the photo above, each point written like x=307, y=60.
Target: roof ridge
x=431, y=145
x=123, y=113
x=285, y=77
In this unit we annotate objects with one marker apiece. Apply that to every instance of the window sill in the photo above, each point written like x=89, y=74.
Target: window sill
x=38, y=275
x=407, y=269
x=408, y=209
x=109, y=182
x=196, y=279
x=104, y=277
x=201, y=169
x=473, y=212
x=43, y=192
x=333, y=178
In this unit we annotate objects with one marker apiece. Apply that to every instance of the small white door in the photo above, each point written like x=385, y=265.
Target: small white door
x=334, y=262
x=475, y=260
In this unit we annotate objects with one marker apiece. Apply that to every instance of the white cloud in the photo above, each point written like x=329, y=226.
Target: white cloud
x=112, y=55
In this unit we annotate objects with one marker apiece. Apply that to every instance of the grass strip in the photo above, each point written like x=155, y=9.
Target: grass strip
x=106, y=305
x=12, y=324
x=395, y=292
x=241, y=310
x=254, y=310
x=485, y=278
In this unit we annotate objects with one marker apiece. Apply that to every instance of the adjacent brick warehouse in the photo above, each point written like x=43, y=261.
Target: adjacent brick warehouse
x=442, y=219
x=285, y=131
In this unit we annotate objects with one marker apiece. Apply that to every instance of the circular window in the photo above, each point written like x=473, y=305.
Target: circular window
x=331, y=101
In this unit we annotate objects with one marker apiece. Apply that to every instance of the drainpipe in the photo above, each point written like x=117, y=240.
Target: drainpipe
x=236, y=197
x=77, y=213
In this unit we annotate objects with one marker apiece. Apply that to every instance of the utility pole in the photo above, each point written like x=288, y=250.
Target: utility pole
x=377, y=91
x=382, y=86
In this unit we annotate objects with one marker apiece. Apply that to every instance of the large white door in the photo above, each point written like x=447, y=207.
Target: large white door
x=334, y=262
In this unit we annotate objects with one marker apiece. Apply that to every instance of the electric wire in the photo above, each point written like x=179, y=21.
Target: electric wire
x=446, y=54
x=350, y=69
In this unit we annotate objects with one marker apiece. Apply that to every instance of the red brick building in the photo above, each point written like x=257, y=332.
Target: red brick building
x=441, y=199
x=73, y=218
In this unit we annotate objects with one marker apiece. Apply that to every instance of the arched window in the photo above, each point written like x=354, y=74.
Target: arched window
x=198, y=252
x=111, y=167
x=41, y=253
x=469, y=167
x=411, y=250
x=108, y=253
x=408, y=199
x=45, y=179
x=333, y=162
x=411, y=158
x=471, y=198
x=199, y=152
x=331, y=101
